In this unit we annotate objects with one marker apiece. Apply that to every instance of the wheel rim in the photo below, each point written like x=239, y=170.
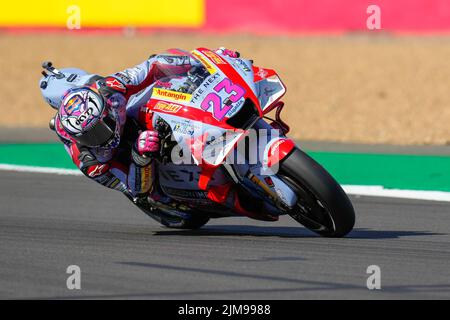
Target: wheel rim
x=309, y=210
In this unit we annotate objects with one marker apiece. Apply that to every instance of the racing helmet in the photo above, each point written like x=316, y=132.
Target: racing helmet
x=87, y=119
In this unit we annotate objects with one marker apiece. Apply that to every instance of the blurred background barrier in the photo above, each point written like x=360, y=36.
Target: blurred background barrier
x=347, y=81
x=253, y=16
x=287, y=16
x=103, y=13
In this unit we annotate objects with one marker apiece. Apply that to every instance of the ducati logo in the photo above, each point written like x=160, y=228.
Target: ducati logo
x=262, y=73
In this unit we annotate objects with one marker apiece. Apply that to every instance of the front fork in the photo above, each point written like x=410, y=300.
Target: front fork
x=263, y=157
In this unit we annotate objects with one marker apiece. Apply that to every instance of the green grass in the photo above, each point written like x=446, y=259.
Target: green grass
x=414, y=172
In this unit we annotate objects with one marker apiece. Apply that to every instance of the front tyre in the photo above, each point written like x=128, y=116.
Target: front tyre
x=322, y=205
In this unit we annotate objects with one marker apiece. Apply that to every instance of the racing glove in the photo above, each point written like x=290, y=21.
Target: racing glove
x=147, y=145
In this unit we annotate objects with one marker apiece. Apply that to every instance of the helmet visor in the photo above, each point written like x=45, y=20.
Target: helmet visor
x=101, y=133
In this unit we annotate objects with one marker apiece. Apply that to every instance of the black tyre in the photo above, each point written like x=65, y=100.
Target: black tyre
x=322, y=205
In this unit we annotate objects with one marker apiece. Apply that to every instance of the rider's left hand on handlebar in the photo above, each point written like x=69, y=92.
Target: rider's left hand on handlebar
x=148, y=142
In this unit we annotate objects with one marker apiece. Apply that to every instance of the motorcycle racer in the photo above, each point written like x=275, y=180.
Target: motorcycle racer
x=97, y=122
x=129, y=131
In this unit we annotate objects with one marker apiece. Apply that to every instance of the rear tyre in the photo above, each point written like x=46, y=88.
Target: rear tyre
x=322, y=205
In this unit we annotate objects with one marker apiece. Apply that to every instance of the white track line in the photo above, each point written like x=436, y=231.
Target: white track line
x=374, y=191
x=11, y=167
x=380, y=191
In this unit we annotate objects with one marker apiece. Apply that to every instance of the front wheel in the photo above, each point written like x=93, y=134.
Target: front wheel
x=322, y=205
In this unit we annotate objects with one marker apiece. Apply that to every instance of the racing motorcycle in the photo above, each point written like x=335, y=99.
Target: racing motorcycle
x=217, y=136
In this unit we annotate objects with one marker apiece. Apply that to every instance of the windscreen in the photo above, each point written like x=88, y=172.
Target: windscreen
x=191, y=74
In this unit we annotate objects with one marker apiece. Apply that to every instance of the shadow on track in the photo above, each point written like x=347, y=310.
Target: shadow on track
x=288, y=232
x=300, y=285
x=380, y=234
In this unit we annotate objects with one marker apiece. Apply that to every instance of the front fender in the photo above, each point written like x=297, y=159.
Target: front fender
x=276, y=150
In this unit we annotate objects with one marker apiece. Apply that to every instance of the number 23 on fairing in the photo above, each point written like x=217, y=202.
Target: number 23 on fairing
x=232, y=92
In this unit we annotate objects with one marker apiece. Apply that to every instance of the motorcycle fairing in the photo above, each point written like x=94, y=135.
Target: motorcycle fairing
x=270, y=89
x=233, y=74
x=180, y=182
x=181, y=110
x=186, y=177
x=199, y=131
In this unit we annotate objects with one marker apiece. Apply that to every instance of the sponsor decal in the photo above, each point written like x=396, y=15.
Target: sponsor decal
x=242, y=65
x=162, y=84
x=123, y=77
x=236, y=108
x=98, y=170
x=116, y=85
x=262, y=73
x=81, y=119
x=216, y=141
x=214, y=57
x=133, y=73
x=114, y=183
x=103, y=180
x=184, y=128
x=278, y=150
x=205, y=63
x=177, y=60
x=201, y=92
x=167, y=107
x=263, y=186
x=211, y=80
x=171, y=95
x=74, y=104
x=192, y=194
x=146, y=178
x=274, y=149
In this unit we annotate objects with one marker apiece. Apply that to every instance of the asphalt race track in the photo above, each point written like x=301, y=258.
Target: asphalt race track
x=48, y=222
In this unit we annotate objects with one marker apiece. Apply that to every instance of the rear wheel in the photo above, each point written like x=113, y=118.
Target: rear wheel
x=322, y=205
